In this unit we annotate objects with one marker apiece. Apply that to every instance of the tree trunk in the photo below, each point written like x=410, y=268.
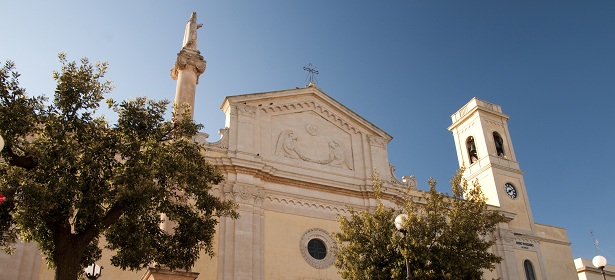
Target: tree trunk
x=68, y=268
x=67, y=258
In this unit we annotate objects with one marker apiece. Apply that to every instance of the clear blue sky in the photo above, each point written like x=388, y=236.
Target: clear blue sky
x=406, y=66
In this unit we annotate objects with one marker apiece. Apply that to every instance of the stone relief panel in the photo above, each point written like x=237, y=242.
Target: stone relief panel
x=247, y=194
x=308, y=137
x=376, y=141
x=243, y=110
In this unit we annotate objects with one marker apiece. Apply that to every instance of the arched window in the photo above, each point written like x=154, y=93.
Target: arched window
x=472, y=154
x=529, y=270
x=499, y=144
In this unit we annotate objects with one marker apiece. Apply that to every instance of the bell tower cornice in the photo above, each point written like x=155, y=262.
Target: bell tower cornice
x=472, y=107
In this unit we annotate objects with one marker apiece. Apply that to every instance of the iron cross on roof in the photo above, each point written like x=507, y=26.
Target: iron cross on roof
x=312, y=72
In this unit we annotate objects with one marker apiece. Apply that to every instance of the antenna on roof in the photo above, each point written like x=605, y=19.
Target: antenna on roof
x=595, y=241
x=312, y=72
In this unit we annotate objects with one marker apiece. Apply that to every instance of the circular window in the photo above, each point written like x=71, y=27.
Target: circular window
x=318, y=248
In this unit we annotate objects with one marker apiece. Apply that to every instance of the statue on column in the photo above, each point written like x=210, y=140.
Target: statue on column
x=190, y=33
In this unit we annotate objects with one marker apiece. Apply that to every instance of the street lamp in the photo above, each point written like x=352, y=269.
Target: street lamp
x=600, y=262
x=400, y=220
x=93, y=271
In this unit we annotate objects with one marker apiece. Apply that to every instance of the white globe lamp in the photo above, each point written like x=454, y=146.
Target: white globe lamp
x=400, y=220
x=600, y=262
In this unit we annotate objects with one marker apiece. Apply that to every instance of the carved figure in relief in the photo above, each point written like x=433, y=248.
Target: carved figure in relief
x=286, y=144
x=337, y=156
x=312, y=129
x=190, y=33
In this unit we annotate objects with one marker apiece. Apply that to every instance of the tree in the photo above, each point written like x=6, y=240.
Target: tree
x=444, y=237
x=70, y=177
x=365, y=246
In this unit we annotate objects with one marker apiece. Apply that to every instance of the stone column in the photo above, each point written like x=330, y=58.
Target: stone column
x=187, y=69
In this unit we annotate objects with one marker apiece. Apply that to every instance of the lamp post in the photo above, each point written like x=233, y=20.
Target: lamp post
x=400, y=220
x=93, y=271
x=600, y=262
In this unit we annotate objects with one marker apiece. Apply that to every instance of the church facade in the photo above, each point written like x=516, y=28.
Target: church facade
x=294, y=160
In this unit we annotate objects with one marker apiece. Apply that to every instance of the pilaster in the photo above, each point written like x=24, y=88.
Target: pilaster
x=241, y=240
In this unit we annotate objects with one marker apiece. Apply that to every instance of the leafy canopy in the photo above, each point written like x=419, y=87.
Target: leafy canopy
x=444, y=237
x=69, y=176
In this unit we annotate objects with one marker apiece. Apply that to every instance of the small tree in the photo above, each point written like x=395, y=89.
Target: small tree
x=70, y=177
x=365, y=246
x=444, y=237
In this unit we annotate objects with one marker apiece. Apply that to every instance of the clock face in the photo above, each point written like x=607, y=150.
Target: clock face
x=511, y=191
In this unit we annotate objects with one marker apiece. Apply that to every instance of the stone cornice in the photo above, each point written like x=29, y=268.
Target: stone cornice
x=308, y=203
x=267, y=173
x=474, y=174
x=473, y=106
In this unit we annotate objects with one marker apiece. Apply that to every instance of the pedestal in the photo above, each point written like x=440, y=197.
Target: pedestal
x=165, y=274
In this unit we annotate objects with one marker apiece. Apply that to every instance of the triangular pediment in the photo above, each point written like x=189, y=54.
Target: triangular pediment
x=303, y=132
x=306, y=99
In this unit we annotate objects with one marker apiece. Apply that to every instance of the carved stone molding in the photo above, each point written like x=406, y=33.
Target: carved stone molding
x=475, y=173
x=200, y=138
x=409, y=181
x=330, y=245
x=394, y=179
x=244, y=110
x=462, y=130
x=266, y=174
x=376, y=141
x=222, y=144
x=339, y=209
x=190, y=60
x=495, y=123
x=506, y=235
x=247, y=194
x=321, y=110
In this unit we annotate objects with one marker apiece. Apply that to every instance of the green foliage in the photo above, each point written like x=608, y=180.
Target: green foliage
x=365, y=243
x=444, y=237
x=70, y=177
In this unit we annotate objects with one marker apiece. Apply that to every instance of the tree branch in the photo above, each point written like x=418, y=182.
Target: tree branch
x=26, y=162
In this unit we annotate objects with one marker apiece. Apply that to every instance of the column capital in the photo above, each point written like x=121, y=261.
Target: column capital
x=188, y=59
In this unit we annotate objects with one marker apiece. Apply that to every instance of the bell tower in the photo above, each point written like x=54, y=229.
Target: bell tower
x=484, y=147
